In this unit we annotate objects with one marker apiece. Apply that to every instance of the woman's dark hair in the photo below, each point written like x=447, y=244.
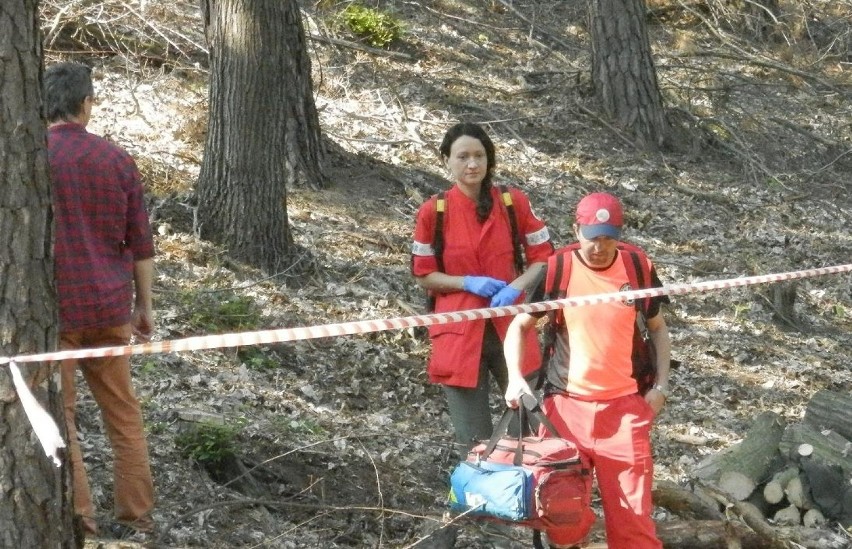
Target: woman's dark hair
x=66, y=86
x=484, y=202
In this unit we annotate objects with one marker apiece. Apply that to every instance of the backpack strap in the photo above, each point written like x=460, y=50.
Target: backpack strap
x=643, y=355
x=437, y=244
x=558, y=274
x=438, y=239
x=520, y=262
x=638, y=274
x=555, y=264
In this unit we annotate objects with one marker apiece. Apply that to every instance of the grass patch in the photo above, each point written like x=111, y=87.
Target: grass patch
x=375, y=27
x=208, y=444
x=258, y=358
x=216, y=312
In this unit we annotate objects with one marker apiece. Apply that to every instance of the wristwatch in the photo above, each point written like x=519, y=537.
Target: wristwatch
x=664, y=390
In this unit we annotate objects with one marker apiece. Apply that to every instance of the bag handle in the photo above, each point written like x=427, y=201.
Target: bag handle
x=528, y=404
x=533, y=405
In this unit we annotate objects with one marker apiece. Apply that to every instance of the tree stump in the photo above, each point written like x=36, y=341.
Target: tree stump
x=784, y=303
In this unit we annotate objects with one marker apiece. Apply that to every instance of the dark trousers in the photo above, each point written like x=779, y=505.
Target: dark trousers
x=470, y=408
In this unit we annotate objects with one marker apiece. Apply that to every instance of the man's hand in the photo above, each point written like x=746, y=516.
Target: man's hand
x=506, y=296
x=483, y=286
x=142, y=323
x=656, y=399
x=514, y=390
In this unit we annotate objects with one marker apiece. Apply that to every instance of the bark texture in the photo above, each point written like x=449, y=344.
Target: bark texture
x=35, y=503
x=756, y=457
x=831, y=410
x=263, y=129
x=623, y=71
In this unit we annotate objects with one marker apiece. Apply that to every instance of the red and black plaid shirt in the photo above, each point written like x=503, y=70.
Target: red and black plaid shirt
x=101, y=227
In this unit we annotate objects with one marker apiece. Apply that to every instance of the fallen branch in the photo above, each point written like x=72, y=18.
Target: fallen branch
x=742, y=152
x=708, y=534
x=533, y=28
x=802, y=131
x=685, y=503
x=750, y=59
x=749, y=514
x=287, y=504
x=361, y=47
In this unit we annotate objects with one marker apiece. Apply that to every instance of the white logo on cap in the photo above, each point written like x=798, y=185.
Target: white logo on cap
x=602, y=215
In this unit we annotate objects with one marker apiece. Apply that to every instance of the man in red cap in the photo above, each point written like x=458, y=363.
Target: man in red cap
x=591, y=396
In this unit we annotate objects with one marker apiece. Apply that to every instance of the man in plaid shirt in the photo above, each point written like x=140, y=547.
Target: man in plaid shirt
x=104, y=269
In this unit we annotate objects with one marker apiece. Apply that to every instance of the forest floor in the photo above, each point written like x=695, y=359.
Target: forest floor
x=342, y=441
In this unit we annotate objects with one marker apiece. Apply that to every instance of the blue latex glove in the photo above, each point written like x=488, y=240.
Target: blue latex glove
x=483, y=286
x=506, y=296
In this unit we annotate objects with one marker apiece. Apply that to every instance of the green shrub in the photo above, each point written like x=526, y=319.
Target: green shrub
x=208, y=444
x=258, y=358
x=214, y=312
x=373, y=26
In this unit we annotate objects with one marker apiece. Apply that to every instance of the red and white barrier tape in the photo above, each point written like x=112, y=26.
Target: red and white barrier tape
x=366, y=326
x=43, y=425
x=48, y=433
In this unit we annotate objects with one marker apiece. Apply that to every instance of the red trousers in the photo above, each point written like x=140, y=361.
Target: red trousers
x=616, y=437
x=108, y=379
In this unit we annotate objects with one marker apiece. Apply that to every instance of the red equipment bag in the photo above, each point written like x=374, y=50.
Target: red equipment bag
x=539, y=482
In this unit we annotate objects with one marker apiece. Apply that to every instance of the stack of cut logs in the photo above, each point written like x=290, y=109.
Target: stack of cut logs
x=790, y=490
x=787, y=483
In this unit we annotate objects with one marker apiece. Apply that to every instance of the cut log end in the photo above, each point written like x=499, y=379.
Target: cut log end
x=788, y=516
x=813, y=518
x=805, y=450
x=797, y=493
x=736, y=484
x=773, y=492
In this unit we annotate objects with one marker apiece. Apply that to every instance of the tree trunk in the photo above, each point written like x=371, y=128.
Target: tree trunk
x=263, y=129
x=35, y=497
x=623, y=70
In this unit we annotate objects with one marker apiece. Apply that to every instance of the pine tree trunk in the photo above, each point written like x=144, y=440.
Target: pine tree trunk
x=623, y=70
x=35, y=498
x=263, y=131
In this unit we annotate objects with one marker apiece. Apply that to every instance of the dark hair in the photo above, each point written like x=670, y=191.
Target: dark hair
x=66, y=86
x=484, y=202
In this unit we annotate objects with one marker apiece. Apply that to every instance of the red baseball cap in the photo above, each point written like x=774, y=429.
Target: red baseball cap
x=600, y=214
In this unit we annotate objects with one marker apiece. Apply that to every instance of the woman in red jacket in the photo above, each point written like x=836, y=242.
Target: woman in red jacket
x=474, y=267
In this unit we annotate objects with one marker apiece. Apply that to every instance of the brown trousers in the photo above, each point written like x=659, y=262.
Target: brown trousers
x=108, y=379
